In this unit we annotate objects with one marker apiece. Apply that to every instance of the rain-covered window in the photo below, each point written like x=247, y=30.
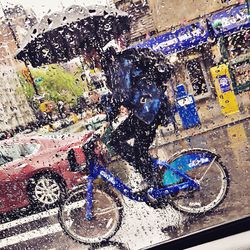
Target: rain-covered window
x=124, y=124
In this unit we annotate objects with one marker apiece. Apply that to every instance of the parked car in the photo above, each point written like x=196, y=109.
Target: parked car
x=36, y=170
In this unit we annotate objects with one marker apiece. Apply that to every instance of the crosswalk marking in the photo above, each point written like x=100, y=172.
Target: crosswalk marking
x=37, y=233
x=39, y=216
x=28, y=219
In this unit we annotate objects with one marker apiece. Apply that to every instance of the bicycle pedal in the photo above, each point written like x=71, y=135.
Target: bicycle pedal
x=151, y=198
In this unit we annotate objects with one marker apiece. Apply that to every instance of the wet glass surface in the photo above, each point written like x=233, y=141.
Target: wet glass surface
x=159, y=79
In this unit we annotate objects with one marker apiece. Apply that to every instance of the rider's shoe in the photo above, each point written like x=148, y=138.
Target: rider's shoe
x=150, y=196
x=153, y=202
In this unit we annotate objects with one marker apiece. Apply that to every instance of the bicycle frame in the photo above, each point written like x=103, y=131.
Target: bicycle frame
x=96, y=171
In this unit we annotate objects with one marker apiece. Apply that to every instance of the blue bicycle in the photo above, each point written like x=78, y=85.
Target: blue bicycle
x=193, y=181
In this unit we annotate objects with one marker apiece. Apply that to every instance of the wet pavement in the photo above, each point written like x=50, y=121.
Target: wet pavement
x=143, y=226
x=232, y=144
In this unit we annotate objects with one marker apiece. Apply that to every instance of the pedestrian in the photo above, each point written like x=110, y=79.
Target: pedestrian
x=61, y=109
x=49, y=112
x=81, y=105
x=137, y=79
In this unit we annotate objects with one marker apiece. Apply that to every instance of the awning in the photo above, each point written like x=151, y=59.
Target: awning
x=230, y=20
x=177, y=40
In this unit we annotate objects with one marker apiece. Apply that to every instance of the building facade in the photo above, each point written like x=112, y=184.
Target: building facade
x=14, y=108
x=231, y=28
x=180, y=30
x=168, y=13
x=20, y=20
x=142, y=23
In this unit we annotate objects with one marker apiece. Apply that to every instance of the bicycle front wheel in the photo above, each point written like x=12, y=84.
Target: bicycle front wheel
x=107, y=214
x=214, y=182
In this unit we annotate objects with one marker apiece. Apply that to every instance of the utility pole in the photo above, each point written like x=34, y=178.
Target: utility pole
x=18, y=46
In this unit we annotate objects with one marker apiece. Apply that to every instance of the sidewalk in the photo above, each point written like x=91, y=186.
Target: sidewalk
x=210, y=115
x=211, y=118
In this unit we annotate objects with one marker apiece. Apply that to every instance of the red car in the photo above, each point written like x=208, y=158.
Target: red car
x=37, y=170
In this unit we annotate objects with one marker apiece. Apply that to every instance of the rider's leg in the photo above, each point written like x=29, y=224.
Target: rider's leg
x=136, y=155
x=118, y=140
x=144, y=160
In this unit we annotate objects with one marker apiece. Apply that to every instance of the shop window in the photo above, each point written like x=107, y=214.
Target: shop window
x=241, y=72
x=239, y=43
x=196, y=76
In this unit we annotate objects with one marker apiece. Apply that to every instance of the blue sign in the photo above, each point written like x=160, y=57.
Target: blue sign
x=230, y=20
x=178, y=40
x=224, y=83
x=38, y=80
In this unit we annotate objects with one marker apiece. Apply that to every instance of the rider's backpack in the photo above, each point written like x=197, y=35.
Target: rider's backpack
x=136, y=78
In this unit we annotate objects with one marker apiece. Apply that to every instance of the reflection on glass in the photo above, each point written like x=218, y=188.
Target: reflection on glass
x=172, y=80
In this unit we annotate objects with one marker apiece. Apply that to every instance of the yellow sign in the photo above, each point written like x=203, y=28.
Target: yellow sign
x=74, y=118
x=46, y=106
x=224, y=89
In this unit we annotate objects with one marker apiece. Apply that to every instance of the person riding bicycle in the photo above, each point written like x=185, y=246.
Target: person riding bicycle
x=137, y=80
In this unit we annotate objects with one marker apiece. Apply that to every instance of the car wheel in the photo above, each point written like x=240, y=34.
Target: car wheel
x=46, y=190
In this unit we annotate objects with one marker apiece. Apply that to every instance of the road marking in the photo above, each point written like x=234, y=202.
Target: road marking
x=28, y=219
x=43, y=231
x=38, y=232
x=39, y=216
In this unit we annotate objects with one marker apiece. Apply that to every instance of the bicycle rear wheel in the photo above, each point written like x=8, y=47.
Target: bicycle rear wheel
x=107, y=215
x=214, y=182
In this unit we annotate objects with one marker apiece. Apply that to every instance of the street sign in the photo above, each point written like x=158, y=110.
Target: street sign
x=177, y=40
x=230, y=20
x=38, y=80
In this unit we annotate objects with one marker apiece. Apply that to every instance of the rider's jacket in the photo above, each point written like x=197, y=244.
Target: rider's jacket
x=136, y=78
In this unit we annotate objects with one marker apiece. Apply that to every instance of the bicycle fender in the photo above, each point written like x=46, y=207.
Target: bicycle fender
x=186, y=160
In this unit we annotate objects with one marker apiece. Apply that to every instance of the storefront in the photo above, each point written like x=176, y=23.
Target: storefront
x=188, y=50
x=196, y=64
x=232, y=29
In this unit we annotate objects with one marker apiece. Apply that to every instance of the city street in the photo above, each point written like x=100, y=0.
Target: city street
x=167, y=77
x=143, y=226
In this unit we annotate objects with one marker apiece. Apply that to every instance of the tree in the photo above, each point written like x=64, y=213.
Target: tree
x=56, y=83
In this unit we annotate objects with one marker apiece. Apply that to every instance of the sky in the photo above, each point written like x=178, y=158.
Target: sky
x=41, y=7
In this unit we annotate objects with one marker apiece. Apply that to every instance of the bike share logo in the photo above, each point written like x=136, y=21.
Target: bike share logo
x=198, y=162
x=108, y=177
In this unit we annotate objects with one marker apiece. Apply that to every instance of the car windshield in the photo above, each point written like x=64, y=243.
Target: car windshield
x=13, y=152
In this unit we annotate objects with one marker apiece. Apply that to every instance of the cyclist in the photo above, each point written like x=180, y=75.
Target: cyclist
x=137, y=79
